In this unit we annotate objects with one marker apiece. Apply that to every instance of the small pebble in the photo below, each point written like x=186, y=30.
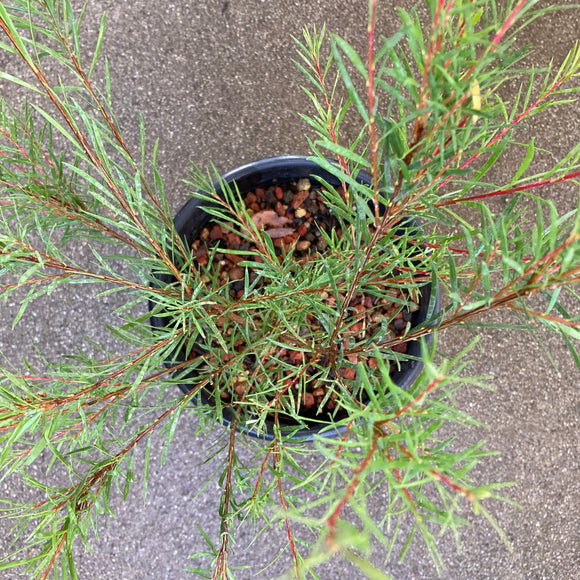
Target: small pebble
x=300, y=212
x=302, y=245
x=216, y=232
x=304, y=184
x=299, y=199
x=270, y=197
x=296, y=356
x=236, y=273
x=399, y=324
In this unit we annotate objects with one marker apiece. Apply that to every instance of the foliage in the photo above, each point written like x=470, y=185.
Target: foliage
x=432, y=125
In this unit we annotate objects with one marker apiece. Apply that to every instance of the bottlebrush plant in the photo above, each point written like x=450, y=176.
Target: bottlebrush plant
x=289, y=312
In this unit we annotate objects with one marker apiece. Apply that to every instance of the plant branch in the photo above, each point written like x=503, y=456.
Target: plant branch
x=221, y=566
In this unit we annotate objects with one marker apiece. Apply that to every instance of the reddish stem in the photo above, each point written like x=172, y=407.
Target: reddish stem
x=415, y=401
x=440, y=476
x=509, y=190
x=537, y=314
x=262, y=469
x=331, y=128
x=371, y=97
x=333, y=518
x=285, y=508
x=505, y=131
x=400, y=480
x=509, y=21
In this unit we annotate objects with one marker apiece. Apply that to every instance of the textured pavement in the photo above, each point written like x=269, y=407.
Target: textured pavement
x=215, y=82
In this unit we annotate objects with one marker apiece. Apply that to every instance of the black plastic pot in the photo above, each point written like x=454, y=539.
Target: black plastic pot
x=191, y=219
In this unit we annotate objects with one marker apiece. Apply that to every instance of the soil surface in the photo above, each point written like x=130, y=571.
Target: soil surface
x=294, y=215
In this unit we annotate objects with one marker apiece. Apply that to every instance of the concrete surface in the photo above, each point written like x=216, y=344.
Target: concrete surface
x=215, y=82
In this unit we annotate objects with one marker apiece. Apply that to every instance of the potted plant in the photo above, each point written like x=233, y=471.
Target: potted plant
x=293, y=299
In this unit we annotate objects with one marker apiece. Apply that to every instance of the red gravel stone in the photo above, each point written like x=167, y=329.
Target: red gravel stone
x=299, y=199
x=233, y=239
x=216, y=232
x=237, y=273
x=296, y=356
x=308, y=400
x=201, y=257
x=279, y=193
x=401, y=347
x=237, y=258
